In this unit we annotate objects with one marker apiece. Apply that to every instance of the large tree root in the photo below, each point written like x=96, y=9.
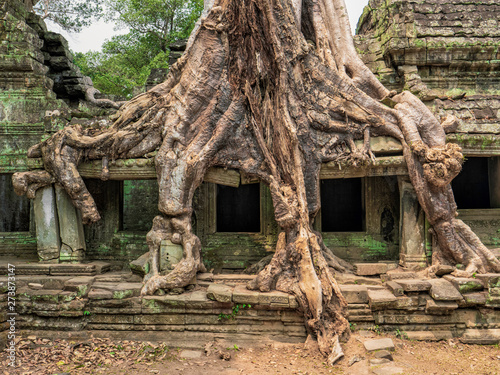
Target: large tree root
x=252, y=93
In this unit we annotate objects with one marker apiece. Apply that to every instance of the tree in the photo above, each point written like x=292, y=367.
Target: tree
x=70, y=15
x=273, y=88
x=126, y=61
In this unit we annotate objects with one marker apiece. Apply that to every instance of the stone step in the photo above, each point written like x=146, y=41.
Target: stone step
x=57, y=269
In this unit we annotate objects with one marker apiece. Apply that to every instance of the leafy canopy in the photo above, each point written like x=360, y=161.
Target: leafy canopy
x=126, y=60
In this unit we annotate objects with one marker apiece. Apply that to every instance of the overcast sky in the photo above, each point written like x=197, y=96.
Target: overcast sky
x=92, y=38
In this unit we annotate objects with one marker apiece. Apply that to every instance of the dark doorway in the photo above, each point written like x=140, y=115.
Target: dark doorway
x=470, y=187
x=342, y=205
x=238, y=209
x=14, y=210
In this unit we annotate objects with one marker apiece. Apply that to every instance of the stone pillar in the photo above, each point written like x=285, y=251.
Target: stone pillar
x=70, y=228
x=411, y=227
x=47, y=225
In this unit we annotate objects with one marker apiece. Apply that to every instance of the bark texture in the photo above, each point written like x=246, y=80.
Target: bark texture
x=273, y=88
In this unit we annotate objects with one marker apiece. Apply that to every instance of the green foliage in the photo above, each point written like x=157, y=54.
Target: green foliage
x=236, y=310
x=70, y=15
x=401, y=334
x=375, y=329
x=126, y=61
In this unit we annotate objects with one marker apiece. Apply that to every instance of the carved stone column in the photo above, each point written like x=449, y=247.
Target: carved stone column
x=411, y=227
x=47, y=225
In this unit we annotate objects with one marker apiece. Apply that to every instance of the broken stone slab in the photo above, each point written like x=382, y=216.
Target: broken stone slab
x=397, y=275
x=378, y=361
x=379, y=344
x=481, y=336
x=242, y=295
x=380, y=299
x=490, y=280
x=440, y=307
x=35, y=286
x=472, y=299
x=384, y=354
x=414, y=285
x=443, y=290
x=395, y=288
x=220, y=293
x=429, y=335
x=444, y=270
x=464, y=284
x=275, y=298
x=141, y=265
x=80, y=285
x=370, y=269
x=355, y=293
x=64, y=269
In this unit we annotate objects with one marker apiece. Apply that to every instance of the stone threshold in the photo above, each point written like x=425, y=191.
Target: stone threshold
x=56, y=269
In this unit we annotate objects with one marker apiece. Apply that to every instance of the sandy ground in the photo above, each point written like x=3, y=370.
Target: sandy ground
x=44, y=357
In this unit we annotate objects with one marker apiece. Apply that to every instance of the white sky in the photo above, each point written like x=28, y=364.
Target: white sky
x=92, y=38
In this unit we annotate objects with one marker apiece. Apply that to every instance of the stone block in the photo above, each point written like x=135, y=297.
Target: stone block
x=380, y=299
x=493, y=301
x=159, y=319
x=384, y=354
x=242, y=295
x=444, y=270
x=141, y=266
x=465, y=285
x=127, y=290
x=443, y=290
x=190, y=354
x=379, y=344
x=481, y=336
x=406, y=303
x=370, y=269
x=395, y=288
x=494, y=292
x=397, y=275
x=355, y=293
x=429, y=335
x=389, y=369
x=414, y=285
x=99, y=294
x=220, y=293
x=274, y=298
x=80, y=285
x=472, y=299
x=163, y=304
x=440, y=307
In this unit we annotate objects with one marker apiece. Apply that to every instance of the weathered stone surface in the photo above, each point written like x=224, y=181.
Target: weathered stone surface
x=444, y=270
x=379, y=361
x=275, y=298
x=383, y=354
x=141, y=265
x=35, y=286
x=440, y=307
x=80, y=285
x=465, y=285
x=242, y=295
x=414, y=285
x=443, y=290
x=379, y=344
x=481, y=336
x=355, y=293
x=70, y=228
x=370, y=269
x=47, y=225
x=380, y=299
x=397, y=275
x=100, y=294
x=429, y=335
x=395, y=288
x=220, y=293
x=475, y=298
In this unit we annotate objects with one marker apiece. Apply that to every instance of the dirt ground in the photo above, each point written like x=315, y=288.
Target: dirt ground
x=99, y=356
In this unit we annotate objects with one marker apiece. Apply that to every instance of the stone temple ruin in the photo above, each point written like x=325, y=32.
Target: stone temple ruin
x=448, y=54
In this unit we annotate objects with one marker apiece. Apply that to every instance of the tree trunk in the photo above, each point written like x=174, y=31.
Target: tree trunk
x=273, y=88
